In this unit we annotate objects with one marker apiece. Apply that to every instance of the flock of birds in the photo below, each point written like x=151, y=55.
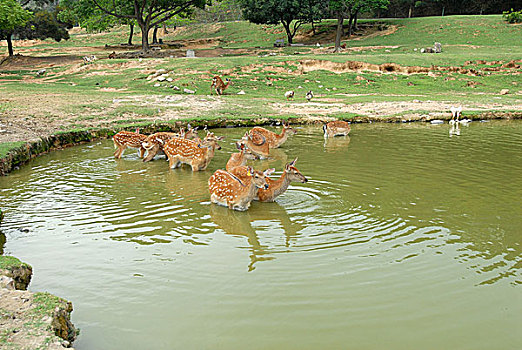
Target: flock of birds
x=238, y=184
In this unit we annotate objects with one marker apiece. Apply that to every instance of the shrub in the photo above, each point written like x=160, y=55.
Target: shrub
x=512, y=16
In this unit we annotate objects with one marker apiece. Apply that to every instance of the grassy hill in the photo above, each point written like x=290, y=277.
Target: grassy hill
x=472, y=71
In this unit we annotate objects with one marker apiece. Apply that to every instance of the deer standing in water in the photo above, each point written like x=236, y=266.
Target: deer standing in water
x=259, y=148
x=125, y=139
x=218, y=85
x=336, y=128
x=196, y=154
x=239, y=158
x=274, y=140
x=155, y=142
x=228, y=190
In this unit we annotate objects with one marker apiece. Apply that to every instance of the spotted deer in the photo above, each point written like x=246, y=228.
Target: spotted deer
x=155, y=142
x=228, y=190
x=125, y=139
x=336, y=128
x=276, y=187
x=259, y=148
x=218, y=85
x=239, y=158
x=274, y=140
x=196, y=154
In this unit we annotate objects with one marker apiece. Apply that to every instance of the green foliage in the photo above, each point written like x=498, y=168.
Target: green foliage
x=43, y=25
x=512, y=16
x=9, y=262
x=12, y=15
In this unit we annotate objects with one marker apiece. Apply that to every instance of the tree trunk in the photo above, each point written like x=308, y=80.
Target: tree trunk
x=288, y=32
x=339, y=32
x=350, y=22
x=131, y=34
x=9, y=44
x=155, y=35
x=355, y=22
x=313, y=28
x=144, y=36
x=165, y=30
x=409, y=13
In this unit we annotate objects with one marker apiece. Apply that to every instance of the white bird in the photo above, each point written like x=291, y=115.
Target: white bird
x=455, y=114
x=289, y=94
x=309, y=95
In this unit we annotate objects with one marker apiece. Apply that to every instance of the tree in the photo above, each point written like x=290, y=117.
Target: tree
x=12, y=15
x=44, y=24
x=275, y=12
x=342, y=9
x=314, y=11
x=149, y=13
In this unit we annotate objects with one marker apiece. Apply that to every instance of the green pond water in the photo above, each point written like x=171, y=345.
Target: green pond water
x=403, y=238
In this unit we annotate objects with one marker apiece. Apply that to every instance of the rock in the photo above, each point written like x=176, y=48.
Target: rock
x=187, y=91
x=504, y=91
x=20, y=273
x=161, y=71
x=161, y=78
x=241, y=92
x=7, y=282
x=157, y=85
x=437, y=47
x=176, y=88
x=169, y=79
x=191, y=54
x=41, y=72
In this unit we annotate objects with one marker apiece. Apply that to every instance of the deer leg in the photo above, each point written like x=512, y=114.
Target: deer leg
x=141, y=152
x=119, y=151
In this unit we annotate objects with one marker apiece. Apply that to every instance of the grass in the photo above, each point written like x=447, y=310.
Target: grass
x=9, y=262
x=6, y=147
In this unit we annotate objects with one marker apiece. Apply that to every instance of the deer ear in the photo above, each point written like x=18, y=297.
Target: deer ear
x=250, y=171
x=292, y=163
x=220, y=138
x=239, y=146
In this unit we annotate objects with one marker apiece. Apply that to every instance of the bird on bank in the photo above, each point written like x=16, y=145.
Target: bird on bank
x=289, y=94
x=309, y=95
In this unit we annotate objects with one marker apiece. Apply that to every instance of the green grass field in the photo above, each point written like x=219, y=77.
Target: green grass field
x=117, y=92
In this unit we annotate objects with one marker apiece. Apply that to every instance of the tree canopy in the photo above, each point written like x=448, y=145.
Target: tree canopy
x=12, y=15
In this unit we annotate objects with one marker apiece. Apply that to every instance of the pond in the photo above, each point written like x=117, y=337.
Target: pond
x=403, y=238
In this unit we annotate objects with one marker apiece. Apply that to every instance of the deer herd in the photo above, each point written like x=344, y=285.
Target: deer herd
x=238, y=184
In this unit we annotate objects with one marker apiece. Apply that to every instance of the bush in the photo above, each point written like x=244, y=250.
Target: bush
x=512, y=16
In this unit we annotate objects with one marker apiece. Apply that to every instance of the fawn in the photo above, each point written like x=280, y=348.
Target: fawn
x=125, y=139
x=336, y=128
x=274, y=140
x=196, y=154
x=239, y=158
x=155, y=142
x=218, y=85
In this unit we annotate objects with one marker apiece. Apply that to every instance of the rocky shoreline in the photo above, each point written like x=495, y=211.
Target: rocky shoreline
x=31, y=320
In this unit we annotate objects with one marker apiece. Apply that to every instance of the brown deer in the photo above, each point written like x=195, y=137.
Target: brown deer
x=218, y=85
x=274, y=140
x=260, y=149
x=196, y=154
x=279, y=186
x=336, y=128
x=125, y=139
x=155, y=142
x=239, y=158
x=228, y=190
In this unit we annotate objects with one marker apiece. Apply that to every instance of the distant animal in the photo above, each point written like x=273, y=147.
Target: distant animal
x=269, y=81
x=289, y=94
x=309, y=95
x=455, y=114
x=112, y=55
x=336, y=128
x=89, y=59
x=454, y=130
x=274, y=140
x=196, y=154
x=228, y=190
x=125, y=139
x=218, y=85
x=41, y=72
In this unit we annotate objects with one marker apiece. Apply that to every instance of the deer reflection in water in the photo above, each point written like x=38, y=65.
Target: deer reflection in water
x=336, y=144
x=244, y=224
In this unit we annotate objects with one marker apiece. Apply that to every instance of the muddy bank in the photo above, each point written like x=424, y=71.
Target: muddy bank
x=31, y=320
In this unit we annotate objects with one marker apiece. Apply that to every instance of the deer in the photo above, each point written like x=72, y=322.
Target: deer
x=276, y=187
x=155, y=142
x=239, y=158
x=125, y=139
x=274, y=140
x=196, y=154
x=260, y=149
x=228, y=190
x=336, y=128
x=218, y=85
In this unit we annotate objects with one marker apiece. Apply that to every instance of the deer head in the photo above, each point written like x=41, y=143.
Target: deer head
x=294, y=174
